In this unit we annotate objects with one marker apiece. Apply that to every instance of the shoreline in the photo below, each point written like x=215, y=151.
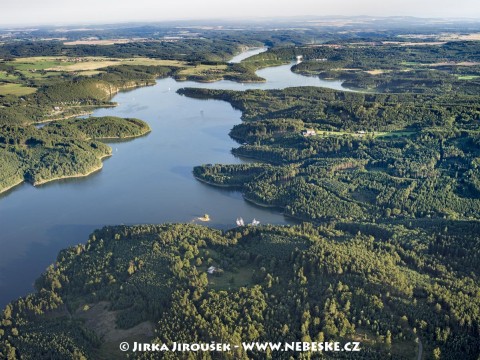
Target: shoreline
x=122, y=138
x=110, y=96
x=11, y=186
x=296, y=218
x=233, y=187
x=186, y=79
x=98, y=168
x=266, y=206
x=253, y=157
x=262, y=205
x=46, y=121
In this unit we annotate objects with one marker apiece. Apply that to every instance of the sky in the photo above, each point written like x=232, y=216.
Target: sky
x=36, y=12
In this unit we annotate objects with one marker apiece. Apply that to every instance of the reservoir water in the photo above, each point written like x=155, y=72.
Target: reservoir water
x=147, y=180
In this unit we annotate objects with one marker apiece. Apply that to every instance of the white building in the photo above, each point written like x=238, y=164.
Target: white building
x=309, y=132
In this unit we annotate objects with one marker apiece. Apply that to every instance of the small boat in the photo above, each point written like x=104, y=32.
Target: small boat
x=204, y=218
x=255, y=222
x=240, y=222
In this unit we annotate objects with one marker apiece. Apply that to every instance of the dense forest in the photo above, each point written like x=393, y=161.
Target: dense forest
x=388, y=286
x=372, y=157
x=188, y=49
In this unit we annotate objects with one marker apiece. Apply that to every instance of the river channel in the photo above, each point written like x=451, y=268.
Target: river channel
x=147, y=180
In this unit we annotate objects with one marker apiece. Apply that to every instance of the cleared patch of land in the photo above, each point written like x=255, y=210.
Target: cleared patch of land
x=16, y=89
x=375, y=134
x=39, y=62
x=443, y=36
x=102, y=321
x=66, y=64
x=102, y=42
x=5, y=76
x=148, y=61
x=204, y=70
x=347, y=69
x=84, y=65
x=451, y=63
x=408, y=43
x=462, y=37
x=444, y=63
x=376, y=71
x=231, y=280
x=468, y=77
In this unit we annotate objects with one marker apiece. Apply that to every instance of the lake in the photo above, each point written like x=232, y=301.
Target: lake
x=147, y=180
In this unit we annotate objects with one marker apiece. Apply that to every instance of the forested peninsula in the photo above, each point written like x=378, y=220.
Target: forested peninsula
x=70, y=148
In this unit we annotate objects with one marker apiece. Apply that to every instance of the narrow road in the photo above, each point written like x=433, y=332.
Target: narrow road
x=420, y=349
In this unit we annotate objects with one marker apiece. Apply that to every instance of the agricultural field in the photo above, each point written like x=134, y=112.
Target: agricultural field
x=6, y=76
x=360, y=134
x=16, y=89
x=80, y=64
x=46, y=70
x=468, y=77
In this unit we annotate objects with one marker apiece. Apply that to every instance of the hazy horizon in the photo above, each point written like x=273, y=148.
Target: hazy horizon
x=57, y=12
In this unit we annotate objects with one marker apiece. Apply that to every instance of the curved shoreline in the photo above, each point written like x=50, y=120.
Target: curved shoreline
x=263, y=205
x=253, y=157
x=237, y=187
x=268, y=206
x=74, y=176
x=122, y=138
x=216, y=185
x=11, y=186
x=66, y=117
x=296, y=218
x=80, y=175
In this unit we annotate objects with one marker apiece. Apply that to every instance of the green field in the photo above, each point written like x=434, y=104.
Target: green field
x=85, y=64
x=232, y=280
x=375, y=134
x=37, y=63
x=39, y=75
x=203, y=69
x=468, y=77
x=47, y=67
x=16, y=89
x=5, y=76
